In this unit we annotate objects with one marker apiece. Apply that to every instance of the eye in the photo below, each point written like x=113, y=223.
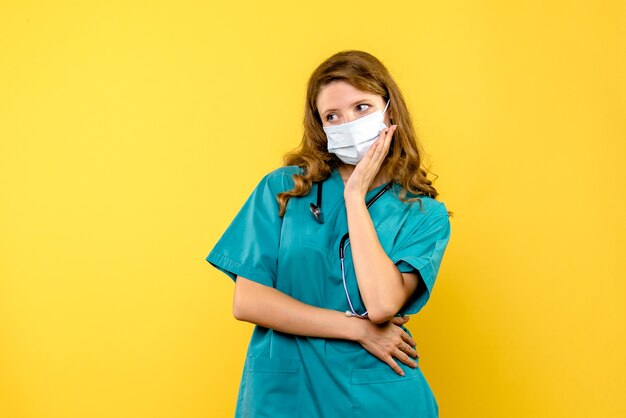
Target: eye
x=363, y=107
x=328, y=117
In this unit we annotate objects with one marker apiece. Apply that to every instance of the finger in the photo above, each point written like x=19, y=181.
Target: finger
x=386, y=144
x=380, y=146
x=373, y=158
x=407, y=338
x=410, y=351
x=372, y=151
x=404, y=358
x=381, y=138
x=383, y=145
x=400, y=320
x=394, y=366
x=389, y=137
x=367, y=161
x=370, y=164
x=382, y=135
x=385, y=134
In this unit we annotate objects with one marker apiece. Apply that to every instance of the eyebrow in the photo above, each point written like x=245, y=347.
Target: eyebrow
x=358, y=101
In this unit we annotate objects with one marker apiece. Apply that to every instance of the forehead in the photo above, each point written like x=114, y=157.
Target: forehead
x=339, y=94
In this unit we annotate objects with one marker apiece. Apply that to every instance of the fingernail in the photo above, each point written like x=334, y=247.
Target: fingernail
x=402, y=374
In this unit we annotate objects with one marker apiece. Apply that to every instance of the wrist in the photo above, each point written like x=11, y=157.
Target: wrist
x=353, y=197
x=357, y=329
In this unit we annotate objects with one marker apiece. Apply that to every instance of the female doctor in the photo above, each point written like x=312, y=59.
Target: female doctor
x=329, y=253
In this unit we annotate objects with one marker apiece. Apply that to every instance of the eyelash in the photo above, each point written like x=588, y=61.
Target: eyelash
x=360, y=104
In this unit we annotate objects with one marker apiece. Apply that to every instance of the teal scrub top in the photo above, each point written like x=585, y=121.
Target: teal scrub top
x=294, y=376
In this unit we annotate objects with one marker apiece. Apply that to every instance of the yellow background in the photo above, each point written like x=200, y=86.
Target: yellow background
x=132, y=132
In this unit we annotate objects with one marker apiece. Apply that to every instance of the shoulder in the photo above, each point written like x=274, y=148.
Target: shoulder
x=426, y=207
x=281, y=178
x=284, y=171
x=434, y=208
x=430, y=215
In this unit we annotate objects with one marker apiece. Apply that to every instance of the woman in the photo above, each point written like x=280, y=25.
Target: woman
x=330, y=339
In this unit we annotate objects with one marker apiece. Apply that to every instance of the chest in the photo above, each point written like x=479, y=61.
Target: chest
x=304, y=236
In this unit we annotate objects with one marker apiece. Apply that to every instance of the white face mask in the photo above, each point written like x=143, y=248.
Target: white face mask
x=350, y=141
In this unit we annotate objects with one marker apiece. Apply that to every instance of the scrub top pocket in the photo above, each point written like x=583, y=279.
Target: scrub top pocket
x=380, y=392
x=272, y=388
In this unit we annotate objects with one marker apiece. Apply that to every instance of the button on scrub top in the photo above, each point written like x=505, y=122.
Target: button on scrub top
x=294, y=376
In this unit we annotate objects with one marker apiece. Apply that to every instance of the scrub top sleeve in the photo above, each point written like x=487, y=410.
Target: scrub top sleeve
x=422, y=253
x=249, y=246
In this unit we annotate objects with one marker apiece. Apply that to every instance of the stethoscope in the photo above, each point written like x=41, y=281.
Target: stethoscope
x=316, y=210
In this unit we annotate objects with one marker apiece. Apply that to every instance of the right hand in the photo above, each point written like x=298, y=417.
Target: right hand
x=389, y=340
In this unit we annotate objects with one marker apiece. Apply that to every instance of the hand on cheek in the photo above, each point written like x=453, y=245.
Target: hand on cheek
x=366, y=170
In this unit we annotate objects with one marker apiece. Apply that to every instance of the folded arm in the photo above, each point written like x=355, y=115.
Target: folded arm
x=271, y=308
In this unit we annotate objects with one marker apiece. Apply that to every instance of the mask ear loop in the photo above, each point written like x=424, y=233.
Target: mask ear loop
x=386, y=106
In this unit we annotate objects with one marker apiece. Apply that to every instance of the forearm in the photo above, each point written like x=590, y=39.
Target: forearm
x=380, y=282
x=271, y=308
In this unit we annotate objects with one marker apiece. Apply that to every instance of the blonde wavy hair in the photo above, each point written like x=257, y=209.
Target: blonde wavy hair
x=403, y=164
